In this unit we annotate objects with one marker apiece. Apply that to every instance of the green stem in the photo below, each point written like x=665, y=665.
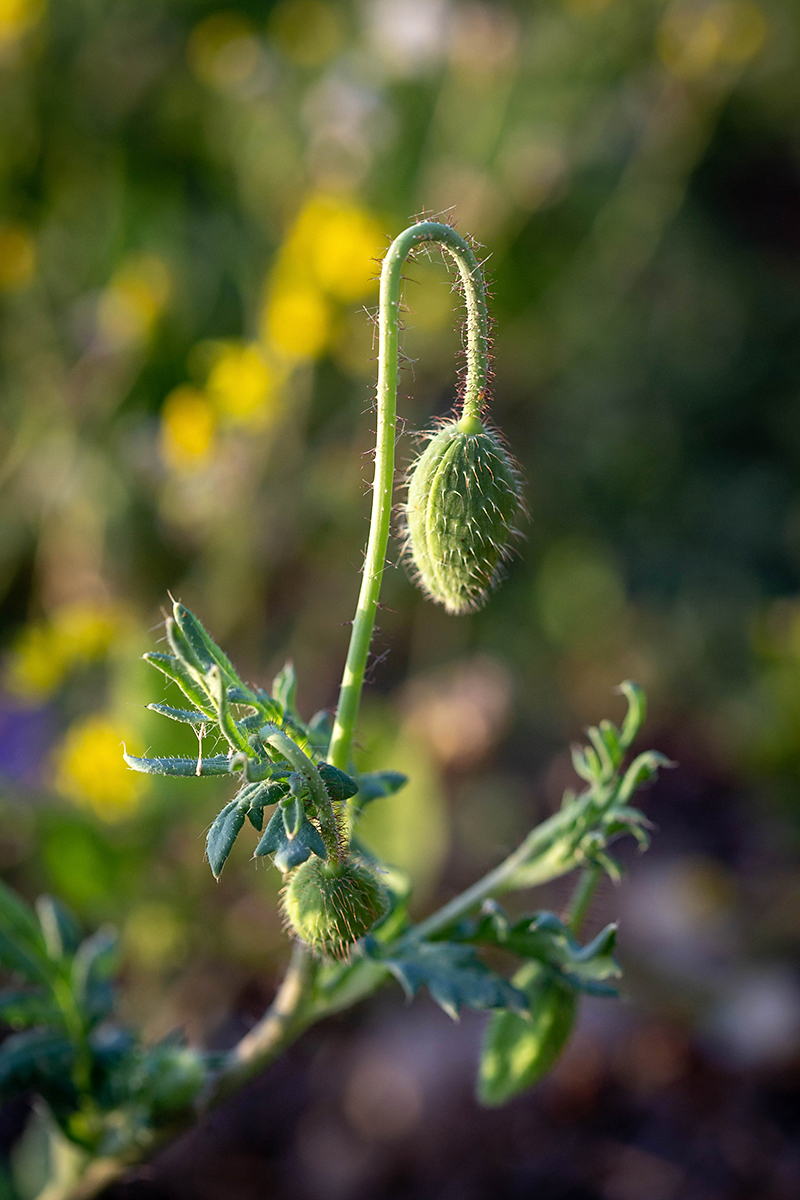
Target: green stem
x=328, y=826
x=283, y=1022
x=383, y=483
x=582, y=897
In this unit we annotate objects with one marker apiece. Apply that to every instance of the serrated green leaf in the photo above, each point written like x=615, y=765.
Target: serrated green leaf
x=290, y=852
x=219, y=764
x=374, y=785
x=338, y=784
x=236, y=737
x=546, y=939
x=636, y=714
x=642, y=769
x=582, y=764
x=186, y=716
x=92, y=971
x=23, y=1009
x=610, y=735
x=284, y=688
x=60, y=928
x=174, y=669
x=519, y=1050
x=307, y=841
x=293, y=816
x=454, y=976
x=182, y=649
x=223, y=833
x=607, y=763
x=203, y=646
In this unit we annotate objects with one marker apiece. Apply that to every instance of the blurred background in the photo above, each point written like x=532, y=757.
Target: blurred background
x=193, y=200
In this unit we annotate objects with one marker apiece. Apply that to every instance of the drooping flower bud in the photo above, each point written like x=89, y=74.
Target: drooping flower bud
x=463, y=496
x=330, y=905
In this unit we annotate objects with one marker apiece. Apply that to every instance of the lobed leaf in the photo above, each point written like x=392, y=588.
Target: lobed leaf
x=374, y=785
x=636, y=714
x=223, y=833
x=546, y=939
x=293, y=816
x=290, y=852
x=218, y=764
x=338, y=784
x=174, y=669
x=284, y=688
x=202, y=645
x=187, y=716
x=454, y=976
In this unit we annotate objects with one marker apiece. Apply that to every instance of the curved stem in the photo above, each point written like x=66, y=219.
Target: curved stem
x=383, y=483
x=283, y=1021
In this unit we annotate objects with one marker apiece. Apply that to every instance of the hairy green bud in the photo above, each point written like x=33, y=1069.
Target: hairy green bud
x=463, y=496
x=329, y=905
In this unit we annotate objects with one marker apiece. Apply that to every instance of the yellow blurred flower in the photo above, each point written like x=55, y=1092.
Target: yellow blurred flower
x=241, y=384
x=223, y=50
x=16, y=17
x=297, y=321
x=91, y=771
x=17, y=254
x=344, y=254
x=337, y=243
x=188, y=429
x=131, y=304
x=45, y=651
x=694, y=39
x=329, y=255
x=308, y=32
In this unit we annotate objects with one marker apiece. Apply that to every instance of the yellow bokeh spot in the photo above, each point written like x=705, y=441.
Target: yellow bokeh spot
x=241, y=384
x=45, y=651
x=188, y=429
x=328, y=256
x=16, y=18
x=297, y=321
x=17, y=256
x=344, y=255
x=336, y=242
x=692, y=40
x=91, y=771
x=308, y=32
x=133, y=301
x=223, y=50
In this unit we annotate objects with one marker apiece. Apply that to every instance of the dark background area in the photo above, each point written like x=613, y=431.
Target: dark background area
x=191, y=200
